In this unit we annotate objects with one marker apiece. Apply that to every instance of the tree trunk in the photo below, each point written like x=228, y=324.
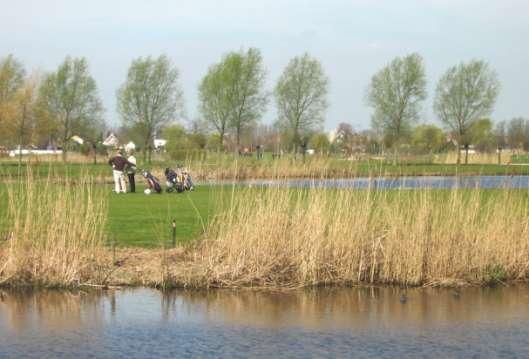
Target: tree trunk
x=221, y=146
x=21, y=136
x=66, y=135
x=238, y=139
x=466, y=154
x=64, y=156
x=499, y=155
x=396, y=153
x=94, y=147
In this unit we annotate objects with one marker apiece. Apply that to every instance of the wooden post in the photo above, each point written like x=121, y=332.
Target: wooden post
x=173, y=227
x=113, y=244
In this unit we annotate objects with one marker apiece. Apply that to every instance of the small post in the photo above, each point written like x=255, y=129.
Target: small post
x=173, y=226
x=113, y=244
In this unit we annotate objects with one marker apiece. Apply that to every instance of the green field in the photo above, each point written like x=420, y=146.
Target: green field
x=136, y=219
x=145, y=221
x=333, y=167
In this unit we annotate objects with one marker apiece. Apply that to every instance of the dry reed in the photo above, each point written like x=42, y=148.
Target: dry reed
x=55, y=232
x=277, y=237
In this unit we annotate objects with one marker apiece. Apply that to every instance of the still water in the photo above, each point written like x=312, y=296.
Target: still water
x=417, y=182
x=365, y=322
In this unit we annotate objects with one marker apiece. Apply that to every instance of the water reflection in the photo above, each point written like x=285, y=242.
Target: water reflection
x=54, y=310
x=224, y=322
x=352, y=308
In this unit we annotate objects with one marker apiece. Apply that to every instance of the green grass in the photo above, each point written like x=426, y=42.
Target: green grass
x=339, y=167
x=139, y=220
x=136, y=219
x=520, y=159
x=145, y=221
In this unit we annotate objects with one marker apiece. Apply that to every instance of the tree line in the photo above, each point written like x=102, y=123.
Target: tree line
x=48, y=109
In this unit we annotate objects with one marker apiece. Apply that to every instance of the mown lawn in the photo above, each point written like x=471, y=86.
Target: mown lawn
x=136, y=219
x=340, y=167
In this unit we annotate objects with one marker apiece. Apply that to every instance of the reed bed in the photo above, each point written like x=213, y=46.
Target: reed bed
x=225, y=168
x=284, y=238
x=53, y=235
x=54, y=232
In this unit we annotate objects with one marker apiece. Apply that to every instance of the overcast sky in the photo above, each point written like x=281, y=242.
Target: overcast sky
x=353, y=39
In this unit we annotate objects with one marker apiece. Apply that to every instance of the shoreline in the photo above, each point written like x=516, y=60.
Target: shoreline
x=135, y=268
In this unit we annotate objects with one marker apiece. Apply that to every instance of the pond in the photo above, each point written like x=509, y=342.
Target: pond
x=359, y=322
x=416, y=182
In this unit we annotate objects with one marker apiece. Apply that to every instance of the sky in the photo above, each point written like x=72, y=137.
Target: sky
x=352, y=39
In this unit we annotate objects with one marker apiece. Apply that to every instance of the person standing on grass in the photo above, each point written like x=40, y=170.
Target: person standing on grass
x=131, y=170
x=118, y=163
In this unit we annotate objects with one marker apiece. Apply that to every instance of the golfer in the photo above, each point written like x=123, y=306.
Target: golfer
x=118, y=163
x=131, y=170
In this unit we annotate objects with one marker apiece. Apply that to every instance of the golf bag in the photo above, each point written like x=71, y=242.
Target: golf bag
x=153, y=182
x=178, y=180
x=173, y=181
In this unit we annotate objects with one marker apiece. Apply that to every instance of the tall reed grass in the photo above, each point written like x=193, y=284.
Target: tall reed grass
x=54, y=231
x=280, y=237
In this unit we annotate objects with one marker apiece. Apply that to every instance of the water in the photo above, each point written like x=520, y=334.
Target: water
x=367, y=322
x=417, y=182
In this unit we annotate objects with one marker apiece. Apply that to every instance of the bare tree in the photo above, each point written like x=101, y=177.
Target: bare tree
x=150, y=98
x=396, y=93
x=301, y=98
x=465, y=93
x=69, y=97
x=516, y=133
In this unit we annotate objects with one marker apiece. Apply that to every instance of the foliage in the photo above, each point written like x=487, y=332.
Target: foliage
x=320, y=143
x=231, y=93
x=481, y=135
x=465, y=93
x=69, y=100
x=301, y=98
x=517, y=133
x=427, y=139
x=395, y=93
x=150, y=98
x=181, y=143
x=11, y=81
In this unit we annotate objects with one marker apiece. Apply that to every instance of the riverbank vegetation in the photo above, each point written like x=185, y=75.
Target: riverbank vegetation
x=57, y=235
x=426, y=237
x=52, y=233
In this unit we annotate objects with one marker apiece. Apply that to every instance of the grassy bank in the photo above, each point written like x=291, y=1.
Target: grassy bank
x=283, y=238
x=137, y=220
x=232, y=237
x=51, y=235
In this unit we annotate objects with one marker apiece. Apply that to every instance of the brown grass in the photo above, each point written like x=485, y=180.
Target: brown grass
x=276, y=238
x=55, y=232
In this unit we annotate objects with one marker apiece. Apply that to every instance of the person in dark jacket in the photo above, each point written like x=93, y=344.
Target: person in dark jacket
x=119, y=163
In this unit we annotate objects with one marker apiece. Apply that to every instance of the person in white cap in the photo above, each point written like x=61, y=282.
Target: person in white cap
x=131, y=170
